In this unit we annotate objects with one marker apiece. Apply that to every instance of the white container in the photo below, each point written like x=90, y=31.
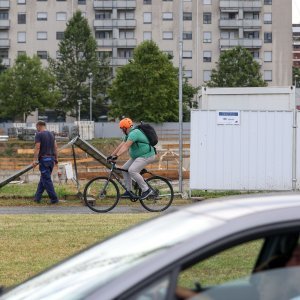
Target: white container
x=256, y=154
x=65, y=171
x=86, y=129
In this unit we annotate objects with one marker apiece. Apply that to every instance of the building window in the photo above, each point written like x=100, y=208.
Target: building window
x=147, y=35
x=268, y=56
x=126, y=15
x=187, y=54
x=251, y=35
x=207, y=18
x=61, y=16
x=103, y=35
x=21, y=18
x=188, y=73
x=60, y=35
x=21, y=53
x=268, y=37
x=187, y=35
x=206, y=37
x=268, y=18
x=187, y=16
x=147, y=2
x=126, y=34
x=206, y=75
x=267, y=2
x=3, y=35
x=41, y=35
x=3, y=16
x=21, y=37
x=207, y=2
x=147, y=17
x=103, y=15
x=167, y=16
x=42, y=54
x=167, y=35
x=104, y=54
x=125, y=53
x=268, y=75
x=58, y=55
x=42, y=16
x=224, y=35
x=206, y=56
x=21, y=2
x=81, y=2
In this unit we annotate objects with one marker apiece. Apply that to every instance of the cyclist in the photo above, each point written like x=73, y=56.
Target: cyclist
x=141, y=154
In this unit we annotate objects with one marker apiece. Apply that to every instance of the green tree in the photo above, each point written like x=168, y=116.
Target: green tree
x=146, y=89
x=2, y=67
x=236, y=68
x=25, y=87
x=296, y=76
x=78, y=58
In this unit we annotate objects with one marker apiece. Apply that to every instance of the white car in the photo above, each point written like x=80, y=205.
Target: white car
x=162, y=258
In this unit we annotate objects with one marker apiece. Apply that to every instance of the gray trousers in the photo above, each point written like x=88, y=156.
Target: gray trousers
x=134, y=167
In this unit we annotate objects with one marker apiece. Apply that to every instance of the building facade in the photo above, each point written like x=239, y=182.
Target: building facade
x=209, y=27
x=296, y=45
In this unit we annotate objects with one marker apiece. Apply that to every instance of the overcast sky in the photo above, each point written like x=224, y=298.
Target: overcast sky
x=296, y=11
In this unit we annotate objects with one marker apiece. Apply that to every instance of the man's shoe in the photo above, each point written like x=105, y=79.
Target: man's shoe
x=146, y=194
x=54, y=202
x=127, y=194
x=37, y=201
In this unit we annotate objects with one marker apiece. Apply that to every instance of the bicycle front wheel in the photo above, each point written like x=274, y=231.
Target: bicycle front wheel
x=101, y=194
x=162, y=197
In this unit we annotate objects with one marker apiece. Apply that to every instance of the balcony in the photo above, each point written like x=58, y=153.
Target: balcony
x=227, y=23
x=229, y=5
x=4, y=24
x=6, y=62
x=4, y=43
x=4, y=4
x=250, y=23
x=124, y=43
x=247, y=43
x=104, y=4
x=119, y=61
x=119, y=23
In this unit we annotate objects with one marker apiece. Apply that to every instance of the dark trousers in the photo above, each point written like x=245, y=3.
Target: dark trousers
x=46, y=166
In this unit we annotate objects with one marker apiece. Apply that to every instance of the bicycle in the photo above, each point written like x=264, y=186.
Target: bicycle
x=102, y=194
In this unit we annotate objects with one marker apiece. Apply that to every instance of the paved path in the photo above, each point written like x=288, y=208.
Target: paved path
x=64, y=210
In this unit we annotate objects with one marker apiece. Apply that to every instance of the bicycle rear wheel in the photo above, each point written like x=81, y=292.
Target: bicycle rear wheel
x=163, y=194
x=101, y=194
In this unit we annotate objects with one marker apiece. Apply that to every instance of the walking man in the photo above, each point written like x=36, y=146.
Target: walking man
x=141, y=154
x=45, y=154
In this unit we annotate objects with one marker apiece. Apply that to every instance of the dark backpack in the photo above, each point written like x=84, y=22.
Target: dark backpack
x=149, y=132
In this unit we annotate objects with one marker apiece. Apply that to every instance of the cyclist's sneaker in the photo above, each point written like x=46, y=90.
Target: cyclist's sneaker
x=127, y=194
x=146, y=194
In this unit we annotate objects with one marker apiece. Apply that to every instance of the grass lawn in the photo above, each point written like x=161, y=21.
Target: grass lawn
x=31, y=243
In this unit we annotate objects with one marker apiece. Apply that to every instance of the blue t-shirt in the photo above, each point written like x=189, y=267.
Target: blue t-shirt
x=47, y=141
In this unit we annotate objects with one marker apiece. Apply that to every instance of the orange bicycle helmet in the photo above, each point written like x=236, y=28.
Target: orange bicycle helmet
x=125, y=123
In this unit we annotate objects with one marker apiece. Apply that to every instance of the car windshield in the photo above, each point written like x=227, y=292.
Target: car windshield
x=276, y=284
x=84, y=273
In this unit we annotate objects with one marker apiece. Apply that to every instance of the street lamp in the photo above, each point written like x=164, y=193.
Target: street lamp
x=79, y=104
x=91, y=97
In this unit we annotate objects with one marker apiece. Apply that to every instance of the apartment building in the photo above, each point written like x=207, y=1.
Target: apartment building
x=296, y=45
x=209, y=27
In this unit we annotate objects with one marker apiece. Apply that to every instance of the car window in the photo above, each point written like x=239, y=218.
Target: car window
x=157, y=290
x=276, y=284
x=233, y=263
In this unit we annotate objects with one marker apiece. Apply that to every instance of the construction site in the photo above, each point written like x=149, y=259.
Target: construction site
x=81, y=159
